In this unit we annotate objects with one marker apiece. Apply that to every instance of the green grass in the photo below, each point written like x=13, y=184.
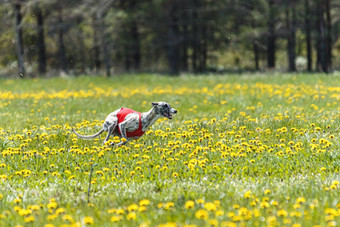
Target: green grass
x=250, y=150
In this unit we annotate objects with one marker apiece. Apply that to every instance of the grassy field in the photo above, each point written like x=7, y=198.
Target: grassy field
x=251, y=150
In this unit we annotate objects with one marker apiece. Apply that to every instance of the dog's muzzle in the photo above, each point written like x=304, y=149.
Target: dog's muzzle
x=171, y=113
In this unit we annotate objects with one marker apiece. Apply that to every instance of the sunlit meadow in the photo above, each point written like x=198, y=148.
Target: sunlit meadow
x=251, y=150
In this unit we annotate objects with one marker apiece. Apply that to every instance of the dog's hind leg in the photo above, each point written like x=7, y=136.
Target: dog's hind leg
x=110, y=131
x=110, y=125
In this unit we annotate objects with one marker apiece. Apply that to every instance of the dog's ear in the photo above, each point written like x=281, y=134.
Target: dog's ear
x=154, y=103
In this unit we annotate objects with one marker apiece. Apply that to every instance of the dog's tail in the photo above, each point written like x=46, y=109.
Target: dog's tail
x=88, y=137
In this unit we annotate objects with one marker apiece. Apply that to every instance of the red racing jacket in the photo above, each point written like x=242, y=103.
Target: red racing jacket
x=123, y=112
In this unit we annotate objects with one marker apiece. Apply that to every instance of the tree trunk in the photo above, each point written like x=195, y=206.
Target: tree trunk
x=135, y=47
x=195, y=36
x=62, y=52
x=134, y=35
x=256, y=55
x=104, y=45
x=41, y=41
x=19, y=39
x=203, y=49
x=96, y=55
x=127, y=49
x=173, y=40
x=329, y=36
x=321, y=42
x=203, y=36
x=184, y=21
x=291, y=26
x=184, y=47
x=271, y=37
x=255, y=40
x=308, y=36
x=96, y=44
x=82, y=53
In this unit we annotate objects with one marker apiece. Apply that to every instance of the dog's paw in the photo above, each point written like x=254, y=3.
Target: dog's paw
x=121, y=143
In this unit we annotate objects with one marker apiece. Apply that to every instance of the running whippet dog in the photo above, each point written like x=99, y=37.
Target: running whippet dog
x=131, y=124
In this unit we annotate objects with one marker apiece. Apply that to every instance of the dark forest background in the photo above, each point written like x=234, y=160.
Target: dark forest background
x=48, y=37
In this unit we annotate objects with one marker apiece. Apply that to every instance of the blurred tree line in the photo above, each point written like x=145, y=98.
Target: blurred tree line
x=173, y=36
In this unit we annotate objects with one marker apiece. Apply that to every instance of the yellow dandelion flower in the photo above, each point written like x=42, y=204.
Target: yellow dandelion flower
x=168, y=205
x=213, y=222
x=237, y=218
x=51, y=217
x=16, y=208
x=282, y=213
x=169, y=224
x=274, y=203
x=52, y=205
x=335, y=182
x=35, y=207
x=267, y=191
x=60, y=211
x=120, y=211
x=330, y=211
x=131, y=216
x=88, y=220
x=17, y=200
x=111, y=211
x=25, y=212
x=189, y=204
x=329, y=218
x=200, y=201
x=228, y=224
x=67, y=217
x=132, y=207
x=301, y=200
x=29, y=219
x=264, y=205
x=236, y=206
x=144, y=202
x=247, y=194
x=296, y=206
x=296, y=225
x=202, y=214
x=219, y=213
x=332, y=186
x=217, y=203
x=142, y=208
x=116, y=218
x=210, y=206
x=271, y=220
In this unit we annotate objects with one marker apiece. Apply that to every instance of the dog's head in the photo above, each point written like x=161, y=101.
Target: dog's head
x=164, y=109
